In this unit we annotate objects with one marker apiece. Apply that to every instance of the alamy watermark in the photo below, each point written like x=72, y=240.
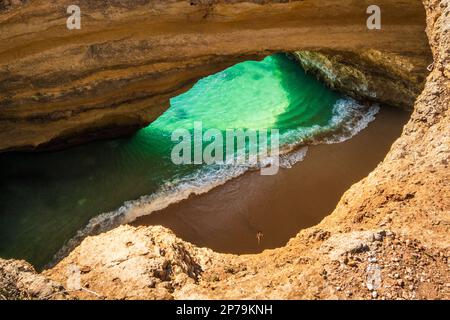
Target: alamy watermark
x=255, y=148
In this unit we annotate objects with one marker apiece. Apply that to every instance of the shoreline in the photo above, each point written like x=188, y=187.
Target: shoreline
x=228, y=218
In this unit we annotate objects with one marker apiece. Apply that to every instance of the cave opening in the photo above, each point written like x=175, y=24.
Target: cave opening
x=47, y=198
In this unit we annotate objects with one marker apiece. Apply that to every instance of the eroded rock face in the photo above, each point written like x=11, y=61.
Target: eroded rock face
x=11, y=4
x=387, y=239
x=116, y=74
x=132, y=263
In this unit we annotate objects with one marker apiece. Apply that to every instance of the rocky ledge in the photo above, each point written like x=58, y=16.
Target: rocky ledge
x=388, y=78
x=386, y=239
x=117, y=73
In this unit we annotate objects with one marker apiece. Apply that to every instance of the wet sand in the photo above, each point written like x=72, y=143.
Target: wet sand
x=228, y=218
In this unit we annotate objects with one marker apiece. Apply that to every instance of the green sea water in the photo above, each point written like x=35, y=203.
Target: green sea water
x=48, y=198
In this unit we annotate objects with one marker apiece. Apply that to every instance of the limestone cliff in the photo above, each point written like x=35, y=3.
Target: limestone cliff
x=116, y=74
x=387, y=238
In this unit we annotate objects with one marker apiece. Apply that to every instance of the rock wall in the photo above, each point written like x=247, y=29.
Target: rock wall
x=116, y=74
x=19, y=281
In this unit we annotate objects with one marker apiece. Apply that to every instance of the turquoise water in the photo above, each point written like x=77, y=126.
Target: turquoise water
x=46, y=198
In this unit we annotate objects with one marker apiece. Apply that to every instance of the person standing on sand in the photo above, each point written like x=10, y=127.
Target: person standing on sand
x=259, y=237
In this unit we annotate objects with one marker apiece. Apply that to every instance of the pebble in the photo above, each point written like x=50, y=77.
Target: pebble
x=374, y=294
x=378, y=236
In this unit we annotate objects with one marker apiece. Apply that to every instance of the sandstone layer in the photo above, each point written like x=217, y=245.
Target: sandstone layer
x=116, y=74
x=388, y=237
